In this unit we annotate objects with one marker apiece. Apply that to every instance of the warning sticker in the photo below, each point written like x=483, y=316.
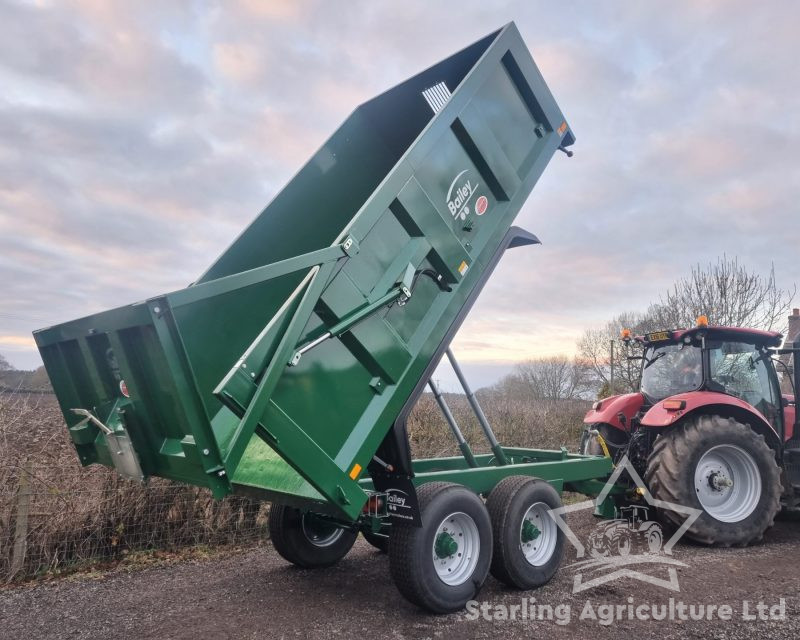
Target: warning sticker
x=462, y=268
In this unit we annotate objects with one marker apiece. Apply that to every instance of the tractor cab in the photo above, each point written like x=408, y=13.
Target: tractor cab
x=633, y=514
x=727, y=360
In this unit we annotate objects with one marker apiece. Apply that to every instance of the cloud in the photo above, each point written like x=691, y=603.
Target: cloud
x=17, y=341
x=137, y=140
x=108, y=58
x=238, y=61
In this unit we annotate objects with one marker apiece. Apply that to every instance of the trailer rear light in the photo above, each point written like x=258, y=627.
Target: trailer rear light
x=625, y=334
x=702, y=321
x=674, y=405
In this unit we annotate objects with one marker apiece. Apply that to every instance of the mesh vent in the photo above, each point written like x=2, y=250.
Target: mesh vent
x=437, y=96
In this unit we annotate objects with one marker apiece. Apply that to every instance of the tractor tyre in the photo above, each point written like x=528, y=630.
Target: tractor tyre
x=443, y=564
x=528, y=543
x=623, y=543
x=722, y=468
x=652, y=537
x=307, y=540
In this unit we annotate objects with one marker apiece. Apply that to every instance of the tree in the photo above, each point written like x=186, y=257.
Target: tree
x=594, y=348
x=5, y=365
x=549, y=379
x=729, y=294
x=726, y=292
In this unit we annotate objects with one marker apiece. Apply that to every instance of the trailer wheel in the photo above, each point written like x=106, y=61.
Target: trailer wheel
x=528, y=544
x=307, y=540
x=722, y=467
x=377, y=540
x=443, y=564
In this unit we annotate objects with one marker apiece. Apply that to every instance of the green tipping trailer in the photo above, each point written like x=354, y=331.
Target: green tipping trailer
x=287, y=370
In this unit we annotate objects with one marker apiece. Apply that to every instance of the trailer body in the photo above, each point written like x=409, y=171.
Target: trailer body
x=286, y=366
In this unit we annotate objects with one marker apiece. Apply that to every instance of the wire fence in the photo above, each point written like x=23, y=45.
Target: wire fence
x=56, y=515
x=87, y=515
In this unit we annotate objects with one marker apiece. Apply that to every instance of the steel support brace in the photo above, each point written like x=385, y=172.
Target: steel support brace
x=236, y=281
x=266, y=386
x=448, y=415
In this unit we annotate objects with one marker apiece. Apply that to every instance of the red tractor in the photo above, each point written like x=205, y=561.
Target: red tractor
x=709, y=429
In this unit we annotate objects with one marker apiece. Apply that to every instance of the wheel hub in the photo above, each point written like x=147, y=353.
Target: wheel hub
x=319, y=532
x=538, y=535
x=718, y=481
x=727, y=483
x=445, y=545
x=529, y=532
x=456, y=548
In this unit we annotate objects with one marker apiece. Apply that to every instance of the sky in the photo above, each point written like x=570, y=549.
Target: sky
x=138, y=139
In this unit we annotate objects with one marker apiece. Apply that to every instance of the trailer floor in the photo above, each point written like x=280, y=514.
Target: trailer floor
x=256, y=595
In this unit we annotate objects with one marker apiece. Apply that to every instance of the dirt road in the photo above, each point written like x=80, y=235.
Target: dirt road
x=255, y=594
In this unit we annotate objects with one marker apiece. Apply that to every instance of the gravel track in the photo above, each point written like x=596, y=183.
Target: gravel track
x=255, y=594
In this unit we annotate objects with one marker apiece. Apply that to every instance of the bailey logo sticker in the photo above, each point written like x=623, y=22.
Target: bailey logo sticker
x=459, y=194
x=630, y=540
x=398, y=504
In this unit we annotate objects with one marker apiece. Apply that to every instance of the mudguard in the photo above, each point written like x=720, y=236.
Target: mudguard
x=708, y=402
x=607, y=410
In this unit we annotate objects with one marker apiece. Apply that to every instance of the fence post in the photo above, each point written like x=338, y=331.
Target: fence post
x=21, y=522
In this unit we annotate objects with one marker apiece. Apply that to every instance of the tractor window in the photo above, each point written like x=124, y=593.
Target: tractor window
x=671, y=369
x=744, y=372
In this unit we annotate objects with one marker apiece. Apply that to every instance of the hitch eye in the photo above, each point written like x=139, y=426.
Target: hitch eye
x=674, y=405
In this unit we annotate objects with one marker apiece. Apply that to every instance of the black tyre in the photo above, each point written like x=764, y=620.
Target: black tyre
x=528, y=544
x=615, y=440
x=622, y=543
x=443, y=564
x=307, y=540
x=378, y=540
x=723, y=468
x=652, y=537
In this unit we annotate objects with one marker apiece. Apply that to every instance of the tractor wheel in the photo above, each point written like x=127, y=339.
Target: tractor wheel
x=652, y=537
x=622, y=543
x=378, y=540
x=307, y=540
x=528, y=543
x=723, y=468
x=614, y=438
x=598, y=544
x=442, y=565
